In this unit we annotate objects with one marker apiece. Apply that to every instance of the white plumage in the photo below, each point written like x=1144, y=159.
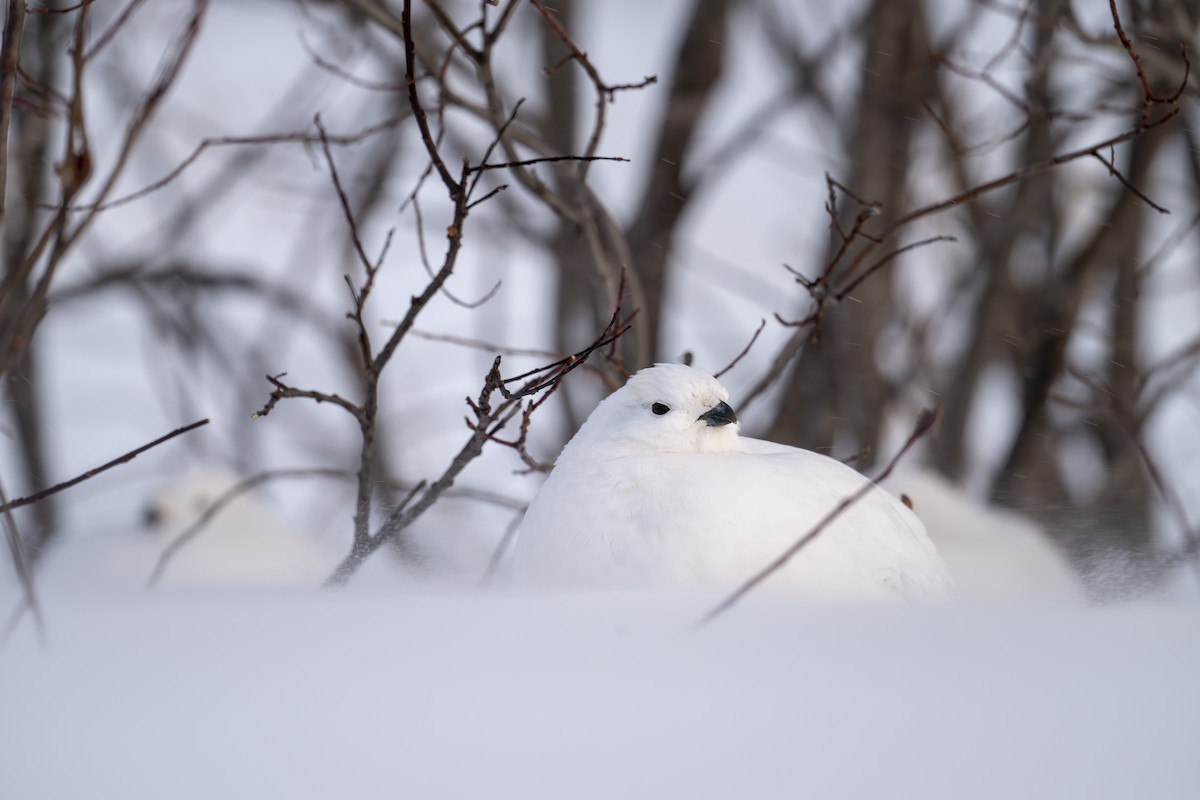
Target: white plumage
x=657, y=489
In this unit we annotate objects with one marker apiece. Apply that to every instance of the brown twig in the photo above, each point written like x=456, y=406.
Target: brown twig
x=238, y=141
x=1116, y=173
x=496, y=140
x=110, y=33
x=762, y=324
x=604, y=92
x=1149, y=99
x=23, y=569
x=343, y=74
x=546, y=160
x=844, y=291
x=1022, y=174
x=91, y=473
x=347, y=213
x=419, y=226
x=809, y=326
x=283, y=391
x=479, y=344
x=452, y=186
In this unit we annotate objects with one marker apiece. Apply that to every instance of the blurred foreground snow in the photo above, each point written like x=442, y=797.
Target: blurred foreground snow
x=354, y=694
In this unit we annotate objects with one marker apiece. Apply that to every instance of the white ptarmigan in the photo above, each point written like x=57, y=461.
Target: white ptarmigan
x=247, y=544
x=657, y=489
x=994, y=556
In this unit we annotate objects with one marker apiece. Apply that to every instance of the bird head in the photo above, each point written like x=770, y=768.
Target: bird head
x=182, y=501
x=667, y=408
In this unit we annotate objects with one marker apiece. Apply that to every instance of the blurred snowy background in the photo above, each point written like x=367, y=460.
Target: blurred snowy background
x=1058, y=332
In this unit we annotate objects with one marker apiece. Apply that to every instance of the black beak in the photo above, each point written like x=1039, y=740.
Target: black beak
x=720, y=414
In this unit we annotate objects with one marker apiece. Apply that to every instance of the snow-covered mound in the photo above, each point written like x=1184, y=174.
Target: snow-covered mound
x=244, y=543
x=295, y=695
x=994, y=555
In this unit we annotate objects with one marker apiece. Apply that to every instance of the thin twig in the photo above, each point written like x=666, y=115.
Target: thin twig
x=414, y=100
x=487, y=153
x=845, y=291
x=303, y=138
x=1023, y=174
x=1149, y=98
x=745, y=350
x=347, y=212
x=110, y=33
x=605, y=93
x=419, y=226
x=502, y=548
x=1116, y=173
x=91, y=473
x=547, y=160
x=283, y=391
x=21, y=564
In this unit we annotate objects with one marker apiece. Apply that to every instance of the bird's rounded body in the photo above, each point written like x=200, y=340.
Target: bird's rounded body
x=637, y=500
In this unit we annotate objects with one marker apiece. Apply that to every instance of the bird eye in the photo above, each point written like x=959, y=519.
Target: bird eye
x=659, y=409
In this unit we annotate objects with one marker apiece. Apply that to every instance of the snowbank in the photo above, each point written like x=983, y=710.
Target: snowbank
x=353, y=695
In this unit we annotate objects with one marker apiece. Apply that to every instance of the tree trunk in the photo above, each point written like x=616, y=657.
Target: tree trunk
x=836, y=391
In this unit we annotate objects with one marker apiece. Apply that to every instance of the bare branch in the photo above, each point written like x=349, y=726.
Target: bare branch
x=110, y=33
x=1149, y=98
x=239, y=141
x=283, y=391
x=452, y=186
x=1116, y=173
x=547, y=160
x=91, y=473
x=762, y=324
x=368, y=266
x=845, y=291
x=1024, y=173
x=22, y=567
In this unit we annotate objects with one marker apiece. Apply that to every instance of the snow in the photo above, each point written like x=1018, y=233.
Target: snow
x=205, y=694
